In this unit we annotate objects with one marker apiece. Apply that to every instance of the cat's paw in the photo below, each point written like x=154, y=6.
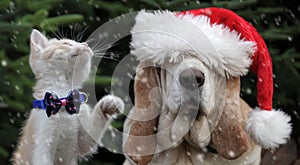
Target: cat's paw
x=110, y=105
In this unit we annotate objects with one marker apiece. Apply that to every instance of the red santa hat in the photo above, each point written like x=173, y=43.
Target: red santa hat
x=225, y=42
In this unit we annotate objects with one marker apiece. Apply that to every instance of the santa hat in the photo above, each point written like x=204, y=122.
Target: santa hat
x=226, y=43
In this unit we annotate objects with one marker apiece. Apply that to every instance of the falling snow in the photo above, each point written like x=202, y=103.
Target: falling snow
x=188, y=153
x=231, y=154
x=138, y=148
x=3, y=63
x=12, y=121
x=248, y=91
x=290, y=38
x=200, y=157
x=113, y=135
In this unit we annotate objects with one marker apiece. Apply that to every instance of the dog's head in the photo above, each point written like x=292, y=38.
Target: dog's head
x=194, y=103
x=191, y=82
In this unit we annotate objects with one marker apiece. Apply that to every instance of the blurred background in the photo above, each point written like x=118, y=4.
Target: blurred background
x=276, y=20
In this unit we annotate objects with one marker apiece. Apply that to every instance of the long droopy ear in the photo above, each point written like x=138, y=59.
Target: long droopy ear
x=229, y=138
x=141, y=142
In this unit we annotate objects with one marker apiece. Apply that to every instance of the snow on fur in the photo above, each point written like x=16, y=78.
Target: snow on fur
x=268, y=128
x=164, y=37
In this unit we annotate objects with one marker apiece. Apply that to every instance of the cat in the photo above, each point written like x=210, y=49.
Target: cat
x=61, y=65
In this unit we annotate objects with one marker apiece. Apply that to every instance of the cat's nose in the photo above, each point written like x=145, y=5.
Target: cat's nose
x=85, y=44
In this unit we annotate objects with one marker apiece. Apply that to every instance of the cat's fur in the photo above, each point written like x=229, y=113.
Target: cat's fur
x=61, y=66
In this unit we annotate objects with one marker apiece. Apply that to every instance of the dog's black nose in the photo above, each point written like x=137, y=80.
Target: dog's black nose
x=191, y=78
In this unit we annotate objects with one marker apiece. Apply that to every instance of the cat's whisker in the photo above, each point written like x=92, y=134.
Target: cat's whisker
x=98, y=44
x=61, y=33
x=105, y=42
x=73, y=31
x=106, y=54
x=105, y=47
x=76, y=35
x=91, y=42
x=105, y=57
x=98, y=53
x=80, y=35
x=90, y=39
x=101, y=46
x=57, y=36
x=53, y=31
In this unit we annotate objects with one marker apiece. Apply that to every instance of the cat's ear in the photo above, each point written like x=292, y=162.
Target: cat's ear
x=37, y=41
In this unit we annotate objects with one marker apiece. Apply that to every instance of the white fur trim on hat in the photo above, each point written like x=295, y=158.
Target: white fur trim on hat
x=164, y=36
x=268, y=128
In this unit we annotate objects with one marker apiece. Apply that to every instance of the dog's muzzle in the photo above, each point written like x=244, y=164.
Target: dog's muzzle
x=191, y=78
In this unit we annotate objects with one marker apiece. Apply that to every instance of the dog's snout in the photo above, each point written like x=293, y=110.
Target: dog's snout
x=191, y=78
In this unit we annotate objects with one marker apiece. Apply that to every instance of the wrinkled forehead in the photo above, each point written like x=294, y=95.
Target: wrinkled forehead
x=186, y=63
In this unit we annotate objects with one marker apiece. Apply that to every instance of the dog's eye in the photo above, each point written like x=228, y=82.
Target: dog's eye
x=192, y=78
x=200, y=81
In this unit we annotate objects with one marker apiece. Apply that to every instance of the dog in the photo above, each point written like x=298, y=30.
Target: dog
x=217, y=126
x=188, y=108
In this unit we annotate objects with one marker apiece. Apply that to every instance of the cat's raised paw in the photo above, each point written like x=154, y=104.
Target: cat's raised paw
x=110, y=105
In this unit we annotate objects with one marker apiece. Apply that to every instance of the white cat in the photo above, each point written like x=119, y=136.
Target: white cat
x=61, y=66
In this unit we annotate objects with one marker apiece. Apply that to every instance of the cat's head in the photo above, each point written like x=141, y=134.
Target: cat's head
x=59, y=59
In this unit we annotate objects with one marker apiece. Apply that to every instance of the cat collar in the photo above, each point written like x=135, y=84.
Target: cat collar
x=52, y=104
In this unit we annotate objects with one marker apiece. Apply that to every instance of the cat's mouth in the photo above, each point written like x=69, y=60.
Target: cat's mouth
x=74, y=55
x=84, y=52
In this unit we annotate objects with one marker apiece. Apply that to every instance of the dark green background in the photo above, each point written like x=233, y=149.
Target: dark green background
x=276, y=20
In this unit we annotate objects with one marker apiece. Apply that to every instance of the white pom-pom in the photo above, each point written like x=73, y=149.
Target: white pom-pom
x=268, y=128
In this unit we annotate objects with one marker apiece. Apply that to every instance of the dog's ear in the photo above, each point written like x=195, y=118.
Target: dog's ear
x=141, y=142
x=229, y=138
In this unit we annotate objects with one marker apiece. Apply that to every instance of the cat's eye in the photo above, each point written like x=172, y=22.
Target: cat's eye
x=67, y=43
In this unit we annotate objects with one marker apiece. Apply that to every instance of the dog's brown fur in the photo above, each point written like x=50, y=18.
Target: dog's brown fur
x=228, y=138
x=229, y=134
x=146, y=80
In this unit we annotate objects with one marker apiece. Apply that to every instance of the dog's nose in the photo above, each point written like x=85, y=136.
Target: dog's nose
x=191, y=78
